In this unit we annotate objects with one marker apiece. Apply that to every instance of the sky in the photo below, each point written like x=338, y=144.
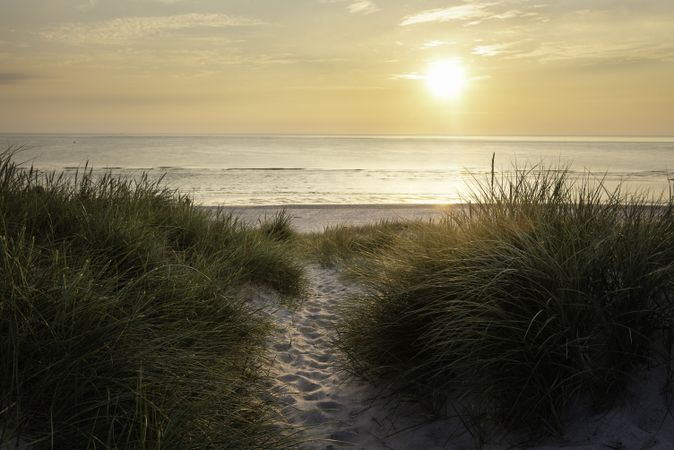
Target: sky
x=539, y=67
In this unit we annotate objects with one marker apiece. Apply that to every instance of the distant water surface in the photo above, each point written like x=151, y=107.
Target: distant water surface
x=271, y=170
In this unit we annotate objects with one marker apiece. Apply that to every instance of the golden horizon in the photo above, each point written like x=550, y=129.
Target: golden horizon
x=510, y=67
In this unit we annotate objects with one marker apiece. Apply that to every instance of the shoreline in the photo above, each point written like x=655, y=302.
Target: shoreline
x=315, y=218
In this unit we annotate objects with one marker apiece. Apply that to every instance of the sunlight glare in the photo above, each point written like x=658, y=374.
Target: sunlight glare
x=446, y=79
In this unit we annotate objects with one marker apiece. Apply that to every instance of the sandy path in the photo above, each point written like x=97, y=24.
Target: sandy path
x=335, y=411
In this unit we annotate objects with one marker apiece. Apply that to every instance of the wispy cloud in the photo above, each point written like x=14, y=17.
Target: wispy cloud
x=89, y=4
x=357, y=6
x=408, y=76
x=173, y=62
x=512, y=14
x=473, y=12
x=363, y=7
x=436, y=43
x=12, y=77
x=460, y=12
x=121, y=30
x=489, y=50
x=593, y=52
x=415, y=76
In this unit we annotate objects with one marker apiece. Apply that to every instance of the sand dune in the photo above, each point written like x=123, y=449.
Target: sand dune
x=335, y=411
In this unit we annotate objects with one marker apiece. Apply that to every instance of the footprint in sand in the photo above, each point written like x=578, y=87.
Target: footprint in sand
x=289, y=378
x=318, y=395
x=329, y=405
x=313, y=375
x=313, y=417
x=306, y=385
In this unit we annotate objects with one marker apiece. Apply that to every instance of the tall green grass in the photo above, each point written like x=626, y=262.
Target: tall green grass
x=542, y=292
x=121, y=319
x=345, y=246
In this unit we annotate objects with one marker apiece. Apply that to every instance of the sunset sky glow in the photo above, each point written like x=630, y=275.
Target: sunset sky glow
x=572, y=67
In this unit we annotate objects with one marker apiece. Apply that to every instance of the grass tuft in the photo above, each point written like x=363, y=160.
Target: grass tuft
x=121, y=322
x=279, y=226
x=345, y=246
x=540, y=293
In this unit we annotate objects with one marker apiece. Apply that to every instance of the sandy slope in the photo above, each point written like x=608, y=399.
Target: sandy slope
x=337, y=412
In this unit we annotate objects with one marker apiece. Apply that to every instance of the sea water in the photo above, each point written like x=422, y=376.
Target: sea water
x=273, y=169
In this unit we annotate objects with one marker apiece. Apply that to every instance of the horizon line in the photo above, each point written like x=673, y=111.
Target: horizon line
x=337, y=135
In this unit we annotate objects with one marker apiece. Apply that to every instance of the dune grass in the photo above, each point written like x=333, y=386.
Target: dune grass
x=278, y=227
x=348, y=246
x=121, y=319
x=541, y=293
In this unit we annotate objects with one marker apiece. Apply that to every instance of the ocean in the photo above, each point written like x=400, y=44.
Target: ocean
x=273, y=170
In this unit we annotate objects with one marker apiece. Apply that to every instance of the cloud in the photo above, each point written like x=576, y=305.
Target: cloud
x=89, y=4
x=437, y=43
x=408, y=76
x=363, y=7
x=489, y=50
x=357, y=6
x=415, y=76
x=474, y=12
x=460, y=12
x=121, y=30
x=604, y=52
x=11, y=77
x=512, y=14
x=173, y=61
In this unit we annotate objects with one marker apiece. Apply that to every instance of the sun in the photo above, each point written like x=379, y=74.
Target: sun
x=446, y=79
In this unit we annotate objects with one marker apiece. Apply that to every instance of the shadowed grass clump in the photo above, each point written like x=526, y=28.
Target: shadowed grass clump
x=121, y=323
x=541, y=293
x=279, y=226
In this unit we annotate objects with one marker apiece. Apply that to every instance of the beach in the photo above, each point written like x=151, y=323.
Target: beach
x=315, y=218
x=337, y=224
x=307, y=326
